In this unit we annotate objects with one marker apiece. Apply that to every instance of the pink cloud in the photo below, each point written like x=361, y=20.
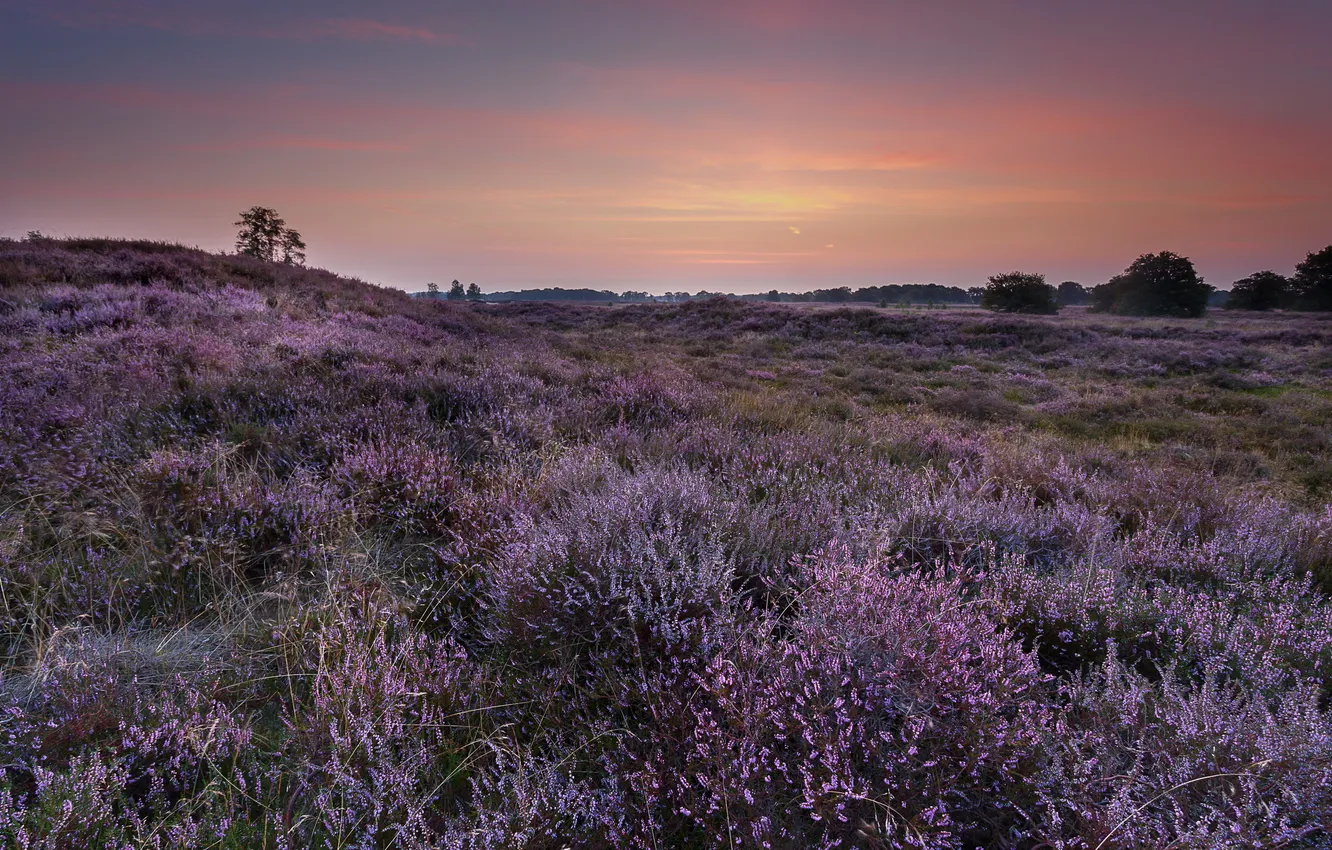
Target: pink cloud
x=780, y=16
x=297, y=143
x=357, y=29
x=81, y=14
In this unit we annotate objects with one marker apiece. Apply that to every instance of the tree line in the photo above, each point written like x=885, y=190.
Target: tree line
x=1163, y=284
x=1166, y=284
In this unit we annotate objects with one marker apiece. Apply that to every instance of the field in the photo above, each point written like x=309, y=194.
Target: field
x=288, y=560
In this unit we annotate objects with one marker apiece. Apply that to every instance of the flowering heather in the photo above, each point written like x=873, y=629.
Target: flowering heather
x=289, y=560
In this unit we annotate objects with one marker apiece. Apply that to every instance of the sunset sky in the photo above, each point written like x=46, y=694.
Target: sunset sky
x=681, y=144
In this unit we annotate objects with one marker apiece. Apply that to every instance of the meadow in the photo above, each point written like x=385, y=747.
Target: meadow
x=288, y=560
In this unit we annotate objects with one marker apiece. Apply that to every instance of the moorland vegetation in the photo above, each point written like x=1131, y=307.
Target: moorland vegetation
x=289, y=560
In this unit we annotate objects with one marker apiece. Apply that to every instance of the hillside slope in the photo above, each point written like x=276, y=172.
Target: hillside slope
x=292, y=560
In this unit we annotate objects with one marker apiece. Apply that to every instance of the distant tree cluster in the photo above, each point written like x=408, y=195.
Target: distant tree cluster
x=554, y=294
x=263, y=234
x=893, y=293
x=457, y=292
x=1020, y=292
x=1163, y=284
x=1309, y=289
x=1264, y=290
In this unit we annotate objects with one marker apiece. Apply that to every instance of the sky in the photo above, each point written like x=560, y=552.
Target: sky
x=669, y=145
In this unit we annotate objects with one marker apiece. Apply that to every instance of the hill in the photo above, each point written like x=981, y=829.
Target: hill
x=292, y=560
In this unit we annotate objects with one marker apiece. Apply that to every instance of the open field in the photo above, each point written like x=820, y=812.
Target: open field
x=287, y=560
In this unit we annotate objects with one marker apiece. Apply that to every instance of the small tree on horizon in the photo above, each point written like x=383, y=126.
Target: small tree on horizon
x=264, y=235
x=473, y=292
x=1265, y=290
x=1313, y=281
x=1163, y=284
x=1071, y=292
x=433, y=289
x=456, y=291
x=1020, y=292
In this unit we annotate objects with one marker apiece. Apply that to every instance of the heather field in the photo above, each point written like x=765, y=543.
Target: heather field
x=292, y=561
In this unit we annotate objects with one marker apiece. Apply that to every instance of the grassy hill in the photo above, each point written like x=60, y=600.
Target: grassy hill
x=287, y=559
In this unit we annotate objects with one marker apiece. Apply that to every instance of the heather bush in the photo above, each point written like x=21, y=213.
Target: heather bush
x=1137, y=764
x=628, y=563
x=385, y=736
x=887, y=711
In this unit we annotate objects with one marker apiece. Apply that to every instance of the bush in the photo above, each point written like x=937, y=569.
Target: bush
x=1071, y=292
x=1313, y=281
x=1163, y=284
x=1260, y=291
x=1019, y=292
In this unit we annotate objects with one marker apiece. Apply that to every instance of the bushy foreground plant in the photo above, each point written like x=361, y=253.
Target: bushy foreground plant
x=290, y=561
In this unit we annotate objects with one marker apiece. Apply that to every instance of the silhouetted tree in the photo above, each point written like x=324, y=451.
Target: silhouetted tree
x=1163, y=284
x=293, y=248
x=473, y=292
x=1071, y=292
x=1313, y=281
x=263, y=234
x=456, y=291
x=1019, y=292
x=433, y=289
x=1260, y=291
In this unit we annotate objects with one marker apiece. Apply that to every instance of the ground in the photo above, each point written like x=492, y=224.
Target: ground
x=291, y=560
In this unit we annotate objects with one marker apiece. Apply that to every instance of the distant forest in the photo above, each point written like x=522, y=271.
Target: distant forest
x=896, y=293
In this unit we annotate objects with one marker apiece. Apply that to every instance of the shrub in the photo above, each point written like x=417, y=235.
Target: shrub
x=1020, y=292
x=1260, y=291
x=885, y=716
x=1163, y=284
x=1071, y=292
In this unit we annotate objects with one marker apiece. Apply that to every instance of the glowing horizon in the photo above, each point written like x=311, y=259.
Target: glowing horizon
x=687, y=145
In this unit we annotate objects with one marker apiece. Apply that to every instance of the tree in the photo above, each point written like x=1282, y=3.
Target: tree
x=293, y=248
x=1313, y=281
x=433, y=289
x=473, y=292
x=1163, y=284
x=1071, y=292
x=264, y=235
x=1259, y=291
x=1019, y=292
x=456, y=291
